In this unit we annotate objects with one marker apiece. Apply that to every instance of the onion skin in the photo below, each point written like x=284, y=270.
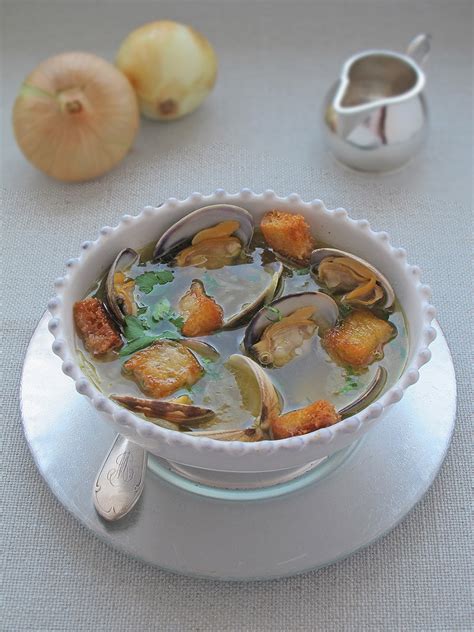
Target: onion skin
x=76, y=116
x=171, y=66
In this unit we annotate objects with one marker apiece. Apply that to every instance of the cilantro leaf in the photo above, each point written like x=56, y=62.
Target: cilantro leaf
x=134, y=328
x=168, y=335
x=302, y=271
x=273, y=314
x=136, y=345
x=177, y=321
x=161, y=310
x=145, y=341
x=147, y=281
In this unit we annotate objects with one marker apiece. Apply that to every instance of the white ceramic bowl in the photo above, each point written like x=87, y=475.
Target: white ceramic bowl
x=272, y=457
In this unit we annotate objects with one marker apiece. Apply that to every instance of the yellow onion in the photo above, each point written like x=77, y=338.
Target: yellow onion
x=76, y=116
x=171, y=66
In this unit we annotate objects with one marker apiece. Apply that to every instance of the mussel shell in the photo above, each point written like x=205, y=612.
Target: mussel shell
x=264, y=297
x=321, y=253
x=324, y=304
x=184, y=230
x=124, y=260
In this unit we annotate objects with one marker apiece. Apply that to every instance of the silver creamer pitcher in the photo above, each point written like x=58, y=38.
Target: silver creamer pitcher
x=375, y=116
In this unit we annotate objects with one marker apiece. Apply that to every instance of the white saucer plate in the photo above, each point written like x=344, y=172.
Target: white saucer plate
x=362, y=495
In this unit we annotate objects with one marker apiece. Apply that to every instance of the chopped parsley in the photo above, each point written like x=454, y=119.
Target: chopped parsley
x=161, y=310
x=350, y=382
x=134, y=328
x=147, y=281
x=146, y=341
x=164, y=311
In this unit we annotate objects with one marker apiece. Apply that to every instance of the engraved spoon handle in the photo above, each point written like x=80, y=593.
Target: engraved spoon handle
x=120, y=480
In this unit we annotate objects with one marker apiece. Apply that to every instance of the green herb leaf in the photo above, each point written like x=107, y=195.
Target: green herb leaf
x=147, y=281
x=137, y=345
x=168, y=335
x=145, y=341
x=177, y=321
x=161, y=310
x=273, y=314
x=134, y=328
x=302, y=271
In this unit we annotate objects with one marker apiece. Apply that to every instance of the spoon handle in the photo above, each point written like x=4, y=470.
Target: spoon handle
x=120, y=480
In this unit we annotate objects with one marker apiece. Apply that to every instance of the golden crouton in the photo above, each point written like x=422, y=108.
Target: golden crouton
x=317, y=415
x=95, y=328
x=202, y=314
x=288, y=234
x=359, y=339
x=163, y=368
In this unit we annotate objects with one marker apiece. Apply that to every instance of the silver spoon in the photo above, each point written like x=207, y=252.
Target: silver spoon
x=121, y=478
x=119, y=483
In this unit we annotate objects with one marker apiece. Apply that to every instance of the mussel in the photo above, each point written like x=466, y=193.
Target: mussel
x=278, y=331
x=358, y=282
x=207, y=236
x=119, y=288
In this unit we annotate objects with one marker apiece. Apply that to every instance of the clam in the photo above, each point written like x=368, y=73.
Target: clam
x=280, y=330
x=229, y=227
x=264, y=400
x=202, y=348
x=119, y=288
x=245, y=434
x=275, y=271
x=162, y=409
x=358, y=280
x=372, y=391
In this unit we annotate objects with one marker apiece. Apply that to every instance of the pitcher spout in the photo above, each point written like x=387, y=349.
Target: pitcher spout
x=372, y=81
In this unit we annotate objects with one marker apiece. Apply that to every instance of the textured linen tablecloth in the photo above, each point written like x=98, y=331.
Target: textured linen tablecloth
x=259, y=129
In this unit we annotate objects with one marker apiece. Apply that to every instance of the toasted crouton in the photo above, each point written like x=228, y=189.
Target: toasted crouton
x=202, y=314
x=317, y=415
x=163, y=368
x=95, y=328
x=359, y=339
x=288, y=234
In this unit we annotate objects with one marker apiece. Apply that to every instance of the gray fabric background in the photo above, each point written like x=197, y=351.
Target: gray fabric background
x=259, y=129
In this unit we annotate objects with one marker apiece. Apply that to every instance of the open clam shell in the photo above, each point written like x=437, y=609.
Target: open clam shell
x=325, y=314
x=268, y=404
x=275, y=270
x=120, y=299
x=184, y=230
x=162, y=409
x=247, y=435
x=317, y=256
x=372, y=391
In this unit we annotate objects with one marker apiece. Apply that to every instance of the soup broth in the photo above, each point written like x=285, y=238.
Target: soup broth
x=311, y=375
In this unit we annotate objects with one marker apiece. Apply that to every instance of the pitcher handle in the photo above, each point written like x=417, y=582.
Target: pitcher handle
x=419, y=48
